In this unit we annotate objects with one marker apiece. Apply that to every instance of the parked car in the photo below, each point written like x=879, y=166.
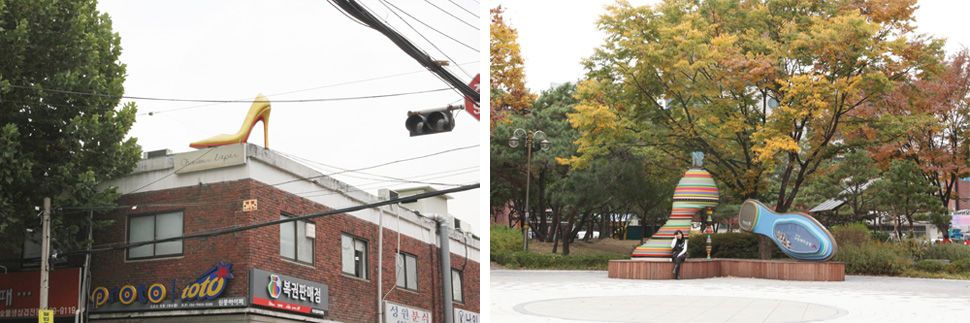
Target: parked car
x=956, y=235
x=582, y=234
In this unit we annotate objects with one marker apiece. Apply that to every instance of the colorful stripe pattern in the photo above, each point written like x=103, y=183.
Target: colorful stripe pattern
x=695, y=191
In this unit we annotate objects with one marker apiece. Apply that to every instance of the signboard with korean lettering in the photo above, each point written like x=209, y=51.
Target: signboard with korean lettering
x=463, y=316
x=287, y=293
x=397, y=313
x=203, y=292
x=20, y=293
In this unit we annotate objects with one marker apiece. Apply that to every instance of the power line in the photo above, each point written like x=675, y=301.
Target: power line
x=385, y=3
x=275, y=222
x=354, y=9
x=432, y=28
x=240, y=189
x=296, y=91
x=219, y=101
x=463, y=8
x=453, y=16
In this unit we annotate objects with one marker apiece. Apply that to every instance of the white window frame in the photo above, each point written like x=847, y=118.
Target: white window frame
x=457, y=292
x=407, y=271
x=300, y=254
x=155, y=236
x=353, y=256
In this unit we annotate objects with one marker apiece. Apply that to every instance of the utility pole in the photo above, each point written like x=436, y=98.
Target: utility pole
x=45, y=254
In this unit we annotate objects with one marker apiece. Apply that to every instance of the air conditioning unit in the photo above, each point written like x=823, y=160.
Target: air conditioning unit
x=156, y=153
x=386, y=194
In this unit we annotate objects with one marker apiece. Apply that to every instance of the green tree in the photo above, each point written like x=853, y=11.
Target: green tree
x=56, y=142
x=508, y=165
x=849, y=182
x=755, y=85
x=903, y=192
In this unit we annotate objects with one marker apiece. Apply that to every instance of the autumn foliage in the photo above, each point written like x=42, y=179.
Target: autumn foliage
x=507, y=70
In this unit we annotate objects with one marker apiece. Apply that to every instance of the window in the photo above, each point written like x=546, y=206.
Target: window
x=294, y=243
x=154, y=227
x=456, y=286
x=353, y=256
x=407, y=271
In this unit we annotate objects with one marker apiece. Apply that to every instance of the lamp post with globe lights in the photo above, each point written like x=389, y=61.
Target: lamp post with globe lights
x=530, y=138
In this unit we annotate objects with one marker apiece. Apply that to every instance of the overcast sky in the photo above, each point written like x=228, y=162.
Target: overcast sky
x=302, y=50
x=554, y=41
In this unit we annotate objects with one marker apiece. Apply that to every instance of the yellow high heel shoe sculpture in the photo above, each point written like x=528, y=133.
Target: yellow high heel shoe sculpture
x=259, y=111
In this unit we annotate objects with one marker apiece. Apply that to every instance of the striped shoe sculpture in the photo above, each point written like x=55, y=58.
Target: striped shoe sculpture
x=695, y=191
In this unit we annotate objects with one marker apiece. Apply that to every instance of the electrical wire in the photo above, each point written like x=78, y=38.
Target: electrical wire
x=463, y=8
x=354, y=9
x=385, y=3
x=432, y=28
x=453, y=16
x=297, y=91
x=271, y=223
x=219, y=101
x=310, y=178
x=308, y=161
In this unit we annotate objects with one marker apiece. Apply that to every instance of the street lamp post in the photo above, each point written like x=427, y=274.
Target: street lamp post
x=530, y=138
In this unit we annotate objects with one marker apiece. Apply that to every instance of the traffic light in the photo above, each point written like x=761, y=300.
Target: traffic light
x=430, y=121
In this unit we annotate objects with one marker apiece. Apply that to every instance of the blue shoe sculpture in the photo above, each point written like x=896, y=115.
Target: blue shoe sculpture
x=799, y=235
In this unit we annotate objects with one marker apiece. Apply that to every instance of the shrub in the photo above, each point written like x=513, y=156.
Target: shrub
x=872, y=259
x=959, y=266
x=528, y=260
x=737, y=245
x=504, y=239
x=880, y=236
x=949, y=251
x=930, y=266
x=852, y=234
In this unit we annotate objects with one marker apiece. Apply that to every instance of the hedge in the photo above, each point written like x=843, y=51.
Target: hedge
x=872, y=259
x=528, y=260
x=930, y=266
x=735, y=245
x=949, y=251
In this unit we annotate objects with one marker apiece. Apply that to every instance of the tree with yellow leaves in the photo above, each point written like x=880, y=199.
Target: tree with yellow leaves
x=507, y=71
x=762, y=87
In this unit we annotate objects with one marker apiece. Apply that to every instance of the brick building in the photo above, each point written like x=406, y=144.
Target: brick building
x=320, y=269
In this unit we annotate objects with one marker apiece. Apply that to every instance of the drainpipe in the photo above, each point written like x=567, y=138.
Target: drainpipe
x=445, y=268
x=380, y=265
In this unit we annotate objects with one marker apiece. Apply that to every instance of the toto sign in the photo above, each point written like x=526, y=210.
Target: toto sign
x=287, y=293
x=203, y=292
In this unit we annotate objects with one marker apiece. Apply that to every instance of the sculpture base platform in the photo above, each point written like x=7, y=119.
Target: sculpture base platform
x=750, y=268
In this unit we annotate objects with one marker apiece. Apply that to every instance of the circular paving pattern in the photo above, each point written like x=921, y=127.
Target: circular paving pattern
x=656, y=308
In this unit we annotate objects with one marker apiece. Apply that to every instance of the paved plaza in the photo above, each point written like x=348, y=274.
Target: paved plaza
x=590, y=296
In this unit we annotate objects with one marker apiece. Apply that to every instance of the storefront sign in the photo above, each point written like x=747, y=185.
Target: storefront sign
x=20, y=293
x=463, y=316
x=287, y=293
x=209, y=158
x=397, y=313
x=204, y=292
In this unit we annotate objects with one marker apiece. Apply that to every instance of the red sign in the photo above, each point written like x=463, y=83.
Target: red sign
x=281, y=305
x=470, y=105
x=20, y=293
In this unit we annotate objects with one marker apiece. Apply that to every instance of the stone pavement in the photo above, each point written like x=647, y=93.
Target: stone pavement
x=590, y=296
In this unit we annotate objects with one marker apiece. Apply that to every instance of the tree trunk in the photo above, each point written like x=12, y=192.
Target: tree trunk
x=542, y=227
x=556, y=229
x=566, y=233
x=764, y=247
